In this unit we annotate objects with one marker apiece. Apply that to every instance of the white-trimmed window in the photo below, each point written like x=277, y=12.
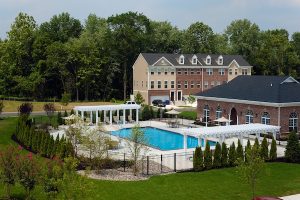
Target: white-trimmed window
x=236, y=71
x=186, y=72
x=206, y=113
x=212, y=84
x=192, y=84
x=205, y=84
x=152, y=73
x=152, y=84
x=265, y=118
x=192, y=71
x=222, y=71
x=208, y=60
x=218, y=112
x=218, y=83
x=194, y=60
x=166, y=84
x=198, y=71
x=172, y=84
x=198, y=84
x=186, y=83
x=172, y=73
x=220, y=60
x=158, y=71
x=249, y=117
x=179, y=71
x=178, y=84
x=244, y=71
x=293, y=122
x=230, y=71
x=158, y=84
x=209, y=71
x=181, y=60
x=166, y=72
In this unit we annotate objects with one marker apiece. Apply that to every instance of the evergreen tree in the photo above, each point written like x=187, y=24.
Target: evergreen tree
x=50, y=147
x=217, y=156
x=198, y=159
x=247, y=149
x=256, y=143
x=292, y=150
x=273, y=150
x=264, y=150
x=232, y=155
x=152, y=114
x=146, y=113
x=224, y=155
x=207, y=157
x=59, y=118
x=66, y=114
x=158, y=113
x=34, y=141
x=72, y=112
x=239, y=151
x=56, y=145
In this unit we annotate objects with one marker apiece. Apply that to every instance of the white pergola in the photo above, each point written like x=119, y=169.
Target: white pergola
x=110, y=109
x=221, y=132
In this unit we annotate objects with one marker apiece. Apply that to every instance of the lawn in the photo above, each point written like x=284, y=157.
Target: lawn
x=280, y=179
x=12, y=106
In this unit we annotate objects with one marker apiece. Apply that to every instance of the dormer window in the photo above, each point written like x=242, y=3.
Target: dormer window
x=194, y=60
x=220, y=60
x=208, y=60
x=181, y=60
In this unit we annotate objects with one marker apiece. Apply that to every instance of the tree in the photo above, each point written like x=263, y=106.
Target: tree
x=146, y=114
x=136, y=144
x=1, y=106
x=217, y=156
x=256, y=144
x=49, y=108
x=207, y=156
x=273, y=150
x=251, y=170
x=232, y=155
x=239, y=151
x=59, y=118
x=139, y=98
x=25, y=109
x=264, y=150
x=191, y=99
x=65, y=99
x=74, y=133
x=224, y=155
x=292, y=149
x=198, y=160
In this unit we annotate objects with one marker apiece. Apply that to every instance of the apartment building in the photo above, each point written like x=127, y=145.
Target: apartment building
x=175, y=76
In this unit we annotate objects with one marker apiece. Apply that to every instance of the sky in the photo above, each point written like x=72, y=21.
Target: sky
x=218, y=14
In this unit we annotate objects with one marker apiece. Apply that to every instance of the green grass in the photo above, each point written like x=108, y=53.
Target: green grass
x=192, y=115
x=280, y=179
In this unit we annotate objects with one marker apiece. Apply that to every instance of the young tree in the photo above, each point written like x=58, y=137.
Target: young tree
x=292, y=150
x=239, y=151
x=191, y=99
x=139, y=98
x=273, y=150
x=49, y=108
x=232, y=155
x=207, y=156
x=217, y=156
x=65, y=99
x=74, y=135
x=136, y=146
x=251, y=170
x=198, y=159
x=264, y=150
x=224, y=155
x=25, y=109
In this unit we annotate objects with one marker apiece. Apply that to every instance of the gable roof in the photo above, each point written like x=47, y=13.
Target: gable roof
x=152, y=58
x=271, y=89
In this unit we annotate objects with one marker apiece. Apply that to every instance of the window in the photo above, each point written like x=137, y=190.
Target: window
x=192, y=71
x=142, y=83
x=218, y=112
x=172, y=84
x=206, y=113
x=166, y=84
x=172, y=73
x=230, y=71
x=192, y=84
x=186, y=71
x=178, y=84
x=235, y=71
x=249, y=117
x=244, y=71
x=222, y=72
x=198, y=84
x=181, y=60
x=209, y=71
x=159, y=84
x=208, y=60
x=146, y=84
x=220, y=60
x=152, y=84
x=186, y=84
x=179, y=71
x=212, y=84
x=198, y=71
x=205, y=84
x=194, y=60
x=166, y=73
x=218, y=83
x=152, y=73
x=293, y=122
x=265, y=118
x=158, y=72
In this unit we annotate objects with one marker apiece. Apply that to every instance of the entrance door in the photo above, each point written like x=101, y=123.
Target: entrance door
x=233, y=116
x=172, y=95
x=179, y=95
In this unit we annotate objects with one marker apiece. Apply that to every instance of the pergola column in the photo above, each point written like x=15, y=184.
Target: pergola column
x=76, y=112
x=137, y=116
x=199, y=141
x=274, y=135
x=257, y=136
x=110, y=117
x=130, y=113
x=124, y=114
x=184, y=141
x=104, y=116
x=82, y=115
x=204, y=142
x=118, y=114
x=241, y=139
x=91, y=116
x=97, y=120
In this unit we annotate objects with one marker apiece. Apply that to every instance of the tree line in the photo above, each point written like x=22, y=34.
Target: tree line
x=93, y=60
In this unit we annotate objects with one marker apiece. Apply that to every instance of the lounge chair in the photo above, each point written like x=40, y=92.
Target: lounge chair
x=116, y=119
x=130, y=120
x=106, y=119
x=121, y=119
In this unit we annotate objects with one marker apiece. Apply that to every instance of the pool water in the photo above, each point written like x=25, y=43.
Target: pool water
x=162, y=139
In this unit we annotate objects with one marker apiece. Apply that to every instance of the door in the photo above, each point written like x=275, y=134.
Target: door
x=172, y=95
x=233, y=116
x=179, y=95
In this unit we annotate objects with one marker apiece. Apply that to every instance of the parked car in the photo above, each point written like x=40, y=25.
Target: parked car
x=166, y=102
x=130, y=102
x=157, y=102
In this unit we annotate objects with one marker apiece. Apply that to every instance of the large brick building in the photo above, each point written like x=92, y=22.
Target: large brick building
x=273, y=100
x=173, y=76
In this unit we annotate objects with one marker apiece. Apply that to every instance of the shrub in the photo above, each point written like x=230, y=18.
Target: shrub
x=264, y=151
x=59, y=119
x=207, y=157
x=217, y=156
x=146, y=114
x=49, y=108
x=198, y=160
x=292, y=150
x=273, y=150
x=65, y=99
x=192, y=115
x=139, y=98
x=232, y=155
x=152, y=114
x=25, y=109
x=224, y=155
x=256, y=143
x=239, y=151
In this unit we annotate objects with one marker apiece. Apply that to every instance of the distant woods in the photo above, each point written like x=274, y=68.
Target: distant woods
x=93, y=60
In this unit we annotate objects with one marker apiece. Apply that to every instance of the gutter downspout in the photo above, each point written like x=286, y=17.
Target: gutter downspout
x=202, y=79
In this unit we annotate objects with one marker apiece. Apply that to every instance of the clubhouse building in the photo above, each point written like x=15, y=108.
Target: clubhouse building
x=273, y=100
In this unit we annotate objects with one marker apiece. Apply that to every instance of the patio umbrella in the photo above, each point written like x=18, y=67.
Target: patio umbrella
x=173, y=112
x=222, y=119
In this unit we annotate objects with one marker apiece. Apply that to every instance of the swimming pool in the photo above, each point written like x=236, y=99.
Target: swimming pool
x=162, y=139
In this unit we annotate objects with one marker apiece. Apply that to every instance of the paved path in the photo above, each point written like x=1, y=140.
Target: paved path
x=292, y=197
x=15, y=114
